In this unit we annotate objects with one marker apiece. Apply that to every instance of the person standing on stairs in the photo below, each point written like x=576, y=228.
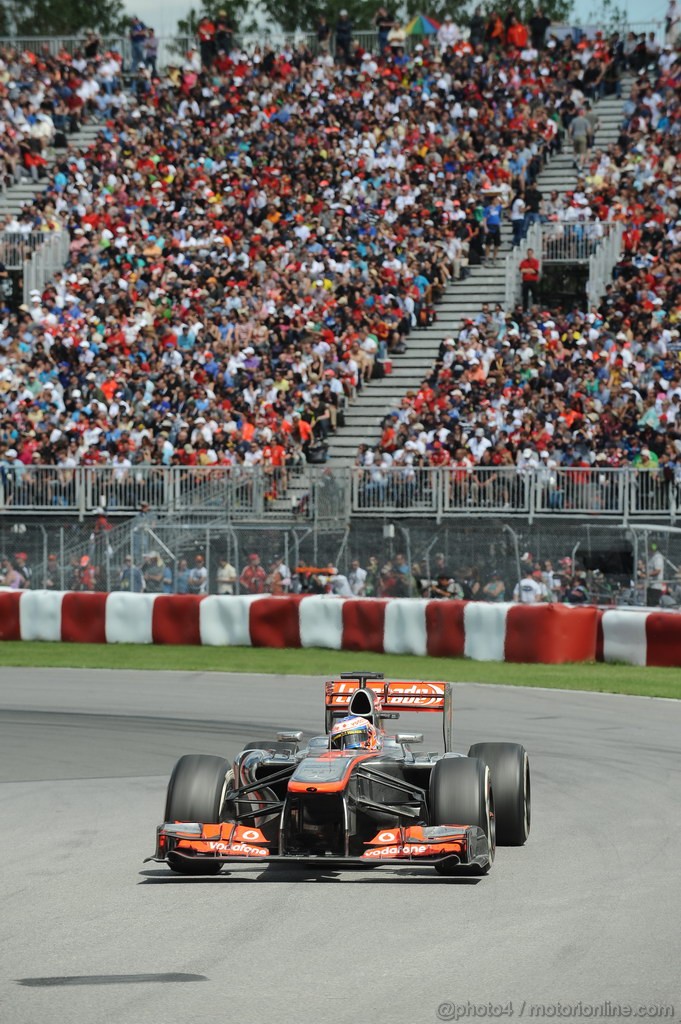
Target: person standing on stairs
x=518, y=211
x=595, y=123
x=493, y=214
x=579, y=131
x=530, y=274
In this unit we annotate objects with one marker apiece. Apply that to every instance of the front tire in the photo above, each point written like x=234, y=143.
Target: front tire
x=196, y=792
x=461, y=794
x=510, y=768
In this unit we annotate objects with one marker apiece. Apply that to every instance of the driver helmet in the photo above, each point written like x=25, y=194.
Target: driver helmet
x=353, y=733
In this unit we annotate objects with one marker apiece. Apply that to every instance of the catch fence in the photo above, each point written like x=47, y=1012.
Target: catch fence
x=405, y=557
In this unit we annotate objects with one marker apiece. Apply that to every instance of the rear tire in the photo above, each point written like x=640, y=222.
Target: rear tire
x=461, y=794
x=510, y=768
x=196, y=792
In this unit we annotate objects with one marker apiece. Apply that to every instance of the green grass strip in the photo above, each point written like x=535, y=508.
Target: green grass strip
x=647, y=682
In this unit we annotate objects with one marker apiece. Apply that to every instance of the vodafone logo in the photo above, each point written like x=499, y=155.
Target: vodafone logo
x=417, y=694
x=422, y=695
x=396, y=851
x=386, y=837
x=238, y=848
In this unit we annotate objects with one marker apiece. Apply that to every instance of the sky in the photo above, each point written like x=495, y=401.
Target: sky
x=163, y=16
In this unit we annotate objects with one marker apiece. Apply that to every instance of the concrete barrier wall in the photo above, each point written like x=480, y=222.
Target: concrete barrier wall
x=546, y=634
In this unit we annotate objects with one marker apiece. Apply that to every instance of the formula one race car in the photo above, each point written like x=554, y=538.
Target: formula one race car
x=352, y=796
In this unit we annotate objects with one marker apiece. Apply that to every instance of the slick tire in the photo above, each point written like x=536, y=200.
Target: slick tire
x=510, y=769
x=196, y=792
x=461, y=794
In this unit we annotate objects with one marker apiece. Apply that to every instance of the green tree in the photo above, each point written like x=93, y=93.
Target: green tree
x=557, y=10
x=65, y=17
x=302, y=14
x=610, y=15
x=235, y=9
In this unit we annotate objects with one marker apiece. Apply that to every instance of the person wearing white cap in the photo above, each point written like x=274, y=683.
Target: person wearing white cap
x=527, y=459
x=478, y=444
x=448, y=33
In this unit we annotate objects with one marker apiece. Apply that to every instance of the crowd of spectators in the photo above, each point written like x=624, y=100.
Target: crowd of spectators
x=252, y=235
x=585, y=388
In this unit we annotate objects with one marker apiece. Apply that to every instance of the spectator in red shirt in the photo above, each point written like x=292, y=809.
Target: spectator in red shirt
x=253, y=577
x=529, y=275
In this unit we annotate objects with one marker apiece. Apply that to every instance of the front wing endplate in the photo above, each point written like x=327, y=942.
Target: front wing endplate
x=230, y=842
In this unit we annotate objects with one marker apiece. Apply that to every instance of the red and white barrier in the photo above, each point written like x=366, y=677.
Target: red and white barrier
x=546, y=634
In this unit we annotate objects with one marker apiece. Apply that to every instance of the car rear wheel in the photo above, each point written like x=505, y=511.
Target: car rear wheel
x=461, y=794
x=510, y=768
x=196, y=792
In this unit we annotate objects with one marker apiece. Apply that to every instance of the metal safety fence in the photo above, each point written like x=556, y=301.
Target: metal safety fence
x=455, y=490
x=301, y=492
x=458, y=558
x=44, y=262
x=18, y=246
x=309, y=493
x=595, y=243
x=602, y=262
x=172, y=49
x=576, y=243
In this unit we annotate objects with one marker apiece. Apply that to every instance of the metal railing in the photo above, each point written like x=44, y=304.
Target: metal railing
x=609, y=493
x=302, y=493
x=326, y=493
x=512, y=284
x=44, y=262
x=602, y=262
x=18, y=246
x=575, y=243
x=596, y=243
x=171, y=49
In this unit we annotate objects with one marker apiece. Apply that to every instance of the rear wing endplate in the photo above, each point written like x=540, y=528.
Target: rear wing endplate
x=395, y=695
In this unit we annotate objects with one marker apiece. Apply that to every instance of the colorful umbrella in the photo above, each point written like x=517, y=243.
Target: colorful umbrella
x=422, y=26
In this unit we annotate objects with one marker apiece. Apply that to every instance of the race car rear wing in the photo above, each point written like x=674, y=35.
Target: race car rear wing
x=391, y=696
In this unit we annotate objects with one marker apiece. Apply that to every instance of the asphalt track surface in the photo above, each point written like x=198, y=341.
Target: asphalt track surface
x=588, y=910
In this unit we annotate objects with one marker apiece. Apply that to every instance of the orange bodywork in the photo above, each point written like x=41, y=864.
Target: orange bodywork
x=391, y=695
x=226, y=839
x=407, y=843
x=338, y=785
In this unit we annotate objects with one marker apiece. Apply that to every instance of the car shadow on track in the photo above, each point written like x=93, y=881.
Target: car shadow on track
x=279, y=875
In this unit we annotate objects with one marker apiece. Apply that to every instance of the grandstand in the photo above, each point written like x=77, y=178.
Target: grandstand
x=275, y=260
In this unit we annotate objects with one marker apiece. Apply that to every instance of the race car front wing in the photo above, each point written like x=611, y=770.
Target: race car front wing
x=228, y=841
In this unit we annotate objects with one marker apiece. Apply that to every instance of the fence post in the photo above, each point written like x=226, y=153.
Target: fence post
x=626, y=487
x=61, y=557
x=440, y=484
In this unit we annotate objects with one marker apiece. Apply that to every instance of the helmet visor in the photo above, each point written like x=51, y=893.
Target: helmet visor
x=352, y=739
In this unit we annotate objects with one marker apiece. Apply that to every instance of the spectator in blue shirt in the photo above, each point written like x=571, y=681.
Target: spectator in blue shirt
x=182, y=578
x=130, y=577
x=493, y=214
x=138, y=36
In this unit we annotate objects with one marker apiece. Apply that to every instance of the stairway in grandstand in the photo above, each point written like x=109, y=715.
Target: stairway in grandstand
x=25, y=191
x=461, y=299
